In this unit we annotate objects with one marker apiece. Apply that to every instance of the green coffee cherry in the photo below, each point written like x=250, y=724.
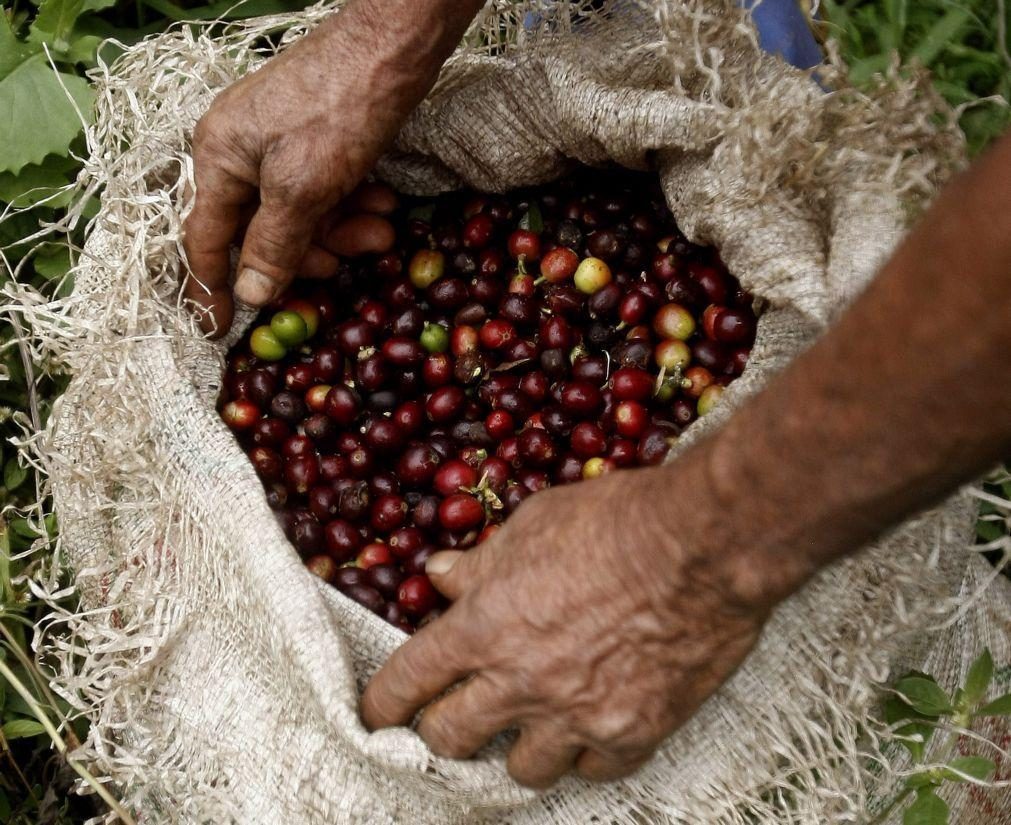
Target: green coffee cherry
x=265, y=344
x=435, y=338
x=289, y=327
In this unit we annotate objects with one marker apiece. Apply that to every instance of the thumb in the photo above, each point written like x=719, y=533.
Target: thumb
x=276, y=241
x=453, y=573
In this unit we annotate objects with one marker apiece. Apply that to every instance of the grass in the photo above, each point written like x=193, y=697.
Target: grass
x=964, y=44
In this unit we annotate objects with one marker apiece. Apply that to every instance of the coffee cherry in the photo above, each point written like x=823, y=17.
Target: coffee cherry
x=696, y=380
x=240, y=415
x=623, y=452
x=342, y=405
x=445, y=404
x=519, y=310
x=630, y=419
x=426, y=267
x=388, y=513
x=320, y=429
x=301, y=473
x=711, y=355
x=263, y=343
x=454, y=476
x=494, y=472
x=310, y=314
x=315, y=397
x=496, y=334
x=448, y=294
x=322, y=566
x=288, y=407
x=373, y=554
x=537, y=448
x=297, y=446
x=460, y=511
x=672, y=354
x=733, y=326
x=524, y=245
x=437, y=370
x=435, y=338
x=604, y=244
x=403, y=352
x=596, y=467
x=591, y=275
x=417, y=596
x=588, y=440
x=267, y=463
x=630, y=384
x=477, y=232
x=580, y=398
x=605, y=301
x=464, y=339
x=368, y=597
x=513, y=497
x=499, y=424
x=673, y=321
x=709, y=398
x=384, y=436
x=559, y=265
x=289, y=328
x=739, y=360
x=654, y=445
x=270, y=432
x=712, y=282
x=590, y=368
x=569, y=469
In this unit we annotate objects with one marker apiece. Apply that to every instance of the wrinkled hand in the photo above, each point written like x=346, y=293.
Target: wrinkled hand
x=589, y=621
x=279, y=155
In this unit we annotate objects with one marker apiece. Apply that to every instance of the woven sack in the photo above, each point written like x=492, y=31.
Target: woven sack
x=222, y=679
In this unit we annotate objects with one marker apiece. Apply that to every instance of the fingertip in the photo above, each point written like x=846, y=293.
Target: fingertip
x=374, y=197
x=318, y=263
x=360, y=234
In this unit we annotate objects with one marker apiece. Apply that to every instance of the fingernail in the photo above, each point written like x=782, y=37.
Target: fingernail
x=254, y=288
x=441, y=563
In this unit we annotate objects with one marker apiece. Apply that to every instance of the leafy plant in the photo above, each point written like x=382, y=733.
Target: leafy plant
x=962, y=42
x=919, y=709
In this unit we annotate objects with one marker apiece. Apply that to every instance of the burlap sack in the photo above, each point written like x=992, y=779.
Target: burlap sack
x=222, y=679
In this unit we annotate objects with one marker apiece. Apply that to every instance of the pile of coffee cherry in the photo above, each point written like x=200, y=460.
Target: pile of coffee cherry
x=507, y=344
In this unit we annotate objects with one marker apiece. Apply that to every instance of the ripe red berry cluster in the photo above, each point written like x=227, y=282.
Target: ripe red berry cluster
x=507, y=344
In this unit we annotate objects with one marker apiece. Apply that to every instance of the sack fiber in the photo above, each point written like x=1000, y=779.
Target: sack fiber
x=222, y=679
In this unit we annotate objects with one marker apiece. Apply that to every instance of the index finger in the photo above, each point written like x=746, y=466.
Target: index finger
x=428, y=663
x=208, y=233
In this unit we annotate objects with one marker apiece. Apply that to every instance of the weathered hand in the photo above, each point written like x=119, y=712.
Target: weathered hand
x=589, y=622
x=279, y=154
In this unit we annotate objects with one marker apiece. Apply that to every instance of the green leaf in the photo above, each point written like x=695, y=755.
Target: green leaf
x=978, y=767
x=14, y=473
x=977, y=681
x=83, y=48
x=38, y=182
x=39, y=119
x=5, y=807
x=52, y=262
x=97, y=5
x=13, y=52
x=532, y=220
x=55, y=22
x=988, y=531
x=920, y=780
x=22, y=728
x=924, y=695
x=224, y=9
x=998, y=707
x=941, y=34
x=927, y=809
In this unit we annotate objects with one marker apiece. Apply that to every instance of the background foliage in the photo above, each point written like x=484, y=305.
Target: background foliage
x=46, y=48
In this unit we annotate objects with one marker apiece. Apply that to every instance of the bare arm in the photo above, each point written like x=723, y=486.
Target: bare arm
x=279, y=151
x=599, y=633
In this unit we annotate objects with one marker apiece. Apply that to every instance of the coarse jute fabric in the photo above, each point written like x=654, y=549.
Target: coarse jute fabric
x=222, y=679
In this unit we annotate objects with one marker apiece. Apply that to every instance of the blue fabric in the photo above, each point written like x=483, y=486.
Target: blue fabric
x=784, y=30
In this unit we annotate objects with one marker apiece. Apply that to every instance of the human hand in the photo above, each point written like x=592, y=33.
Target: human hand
x=591, y=621
x=280, y=152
